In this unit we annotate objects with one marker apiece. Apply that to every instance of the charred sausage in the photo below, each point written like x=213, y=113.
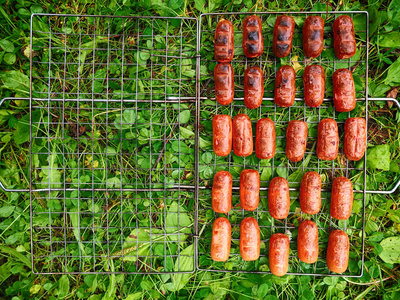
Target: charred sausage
x=253, y=41
x=355, y=133
x=253, y=87
x=337, y=256
x=265, y=138
x=344, y=39
x=307, y=242
x=249, y=189
x=344, y=93
x=221, y=195
x=341, y=198
x=222, y=134
x=224, y=83
x=249, y=243
x=279, y=247
x=242, y=135
x=283, y=36
x=328, y=139
x=314, y=85
x=296, y=140
x=224, y=42
x=285, y=88
x=279, y=198
x=221, y=239
x=313, y=36
x=310, y=193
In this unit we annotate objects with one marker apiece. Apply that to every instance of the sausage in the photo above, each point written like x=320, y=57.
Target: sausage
x=224, y=42
x=328, y=139
x=355, y=133
x=265, y=138
x=249, y=243
x=222, y=135
x=242, y=135
x=344, y=39
x=310, y=193
x=285, y=86
x=341, y=198
x=313, y=36
x=224, y=83
x=249, y=189
x=221, y=195
x=314, y=85
x=221, y=239
x=279, y=247
x=307, y=242
x=253, y=41
x=337, y=255
x=344, y=92
x=283, y=36
x=279, y=198
x=296, y=140
x=253, y=87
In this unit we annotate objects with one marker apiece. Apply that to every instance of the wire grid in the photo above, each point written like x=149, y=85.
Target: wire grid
x=112, y=144
x=209, y=163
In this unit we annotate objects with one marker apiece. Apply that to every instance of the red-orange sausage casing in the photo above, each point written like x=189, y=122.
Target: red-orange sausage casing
x=296, y=140
x=337, y=256
x=341, y=198
x=253, y=41
x=285, y=86
x=310, y=193
x=265, y=138
x=328, y=139
x=242, y=135
x=355, y=132
x=253, y=87
x=307, y=242
x=221, y=239
x=279, y=247
x=314, y=85
x=222, y=135
x=249, y=243
x=283, y=36
x=313, y=36
x=344, y=39
x=221, y=195
x=279, y=198
x=249, y=189
x=344, y=92
x=224, y=42
x=224, y=83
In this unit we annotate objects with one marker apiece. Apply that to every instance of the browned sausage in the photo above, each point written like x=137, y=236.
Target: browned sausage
x=279, y=198
x=253, y=87
x=221, y=195
x=285, y=88
x=249, y=189
x=249, y=243
x=221, y=239
x=341, y=198
x=242, y=135
x=222, y=135
x=283, y=36
x=224, y=83
x=296, y=140
x=344, y=93
x=265, y=138
x=307, y=242
x=328, y=139
x=253, y=41
x=279, y=247
x=313, y=36
x=344, y=39
x=337, y=256
x=314, y=85
x=354, y=138
x=310, y=193
x=224, y=42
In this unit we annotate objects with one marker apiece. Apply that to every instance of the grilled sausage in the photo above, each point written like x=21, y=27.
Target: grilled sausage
x=328, y=139
x=314, y=85
x=253, y=87
x=224, y=83
x=221, y=195
x=279, y=247
x=224, y=42
x=341, y=198
x=354, y=138
x=249, y=189
x=344, y=39
x=265, y=138
x=221, y=239
x=296, y=140
x=283, y=36
x=307, y=242
x=285, y=88
x=242, y=135
x=310, y=193
x=253, y=41
x=222, y=135
x=279, y=198
x=249, y=243
x=337, y=256
x=313, y=36
x=344, y=92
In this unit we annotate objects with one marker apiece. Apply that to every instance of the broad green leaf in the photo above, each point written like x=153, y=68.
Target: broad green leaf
x=7, y=46
x=16, y=254
x=206, y=157
x=378, y=157
x=134, y=296
x=63, y=286
x=35, y=289
x=6, y=211
x=391, y=250
x=15, y=81
x=175, y=4
x=184, y=264
x=51, y=174
x=178, y=223
x=374, y=20
x=263, y=290
x=393, y=74
x=10, y=58
x=393, y=13
x=390, y=40
x=129, y=115
x=184, y=116
x=186, y=133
